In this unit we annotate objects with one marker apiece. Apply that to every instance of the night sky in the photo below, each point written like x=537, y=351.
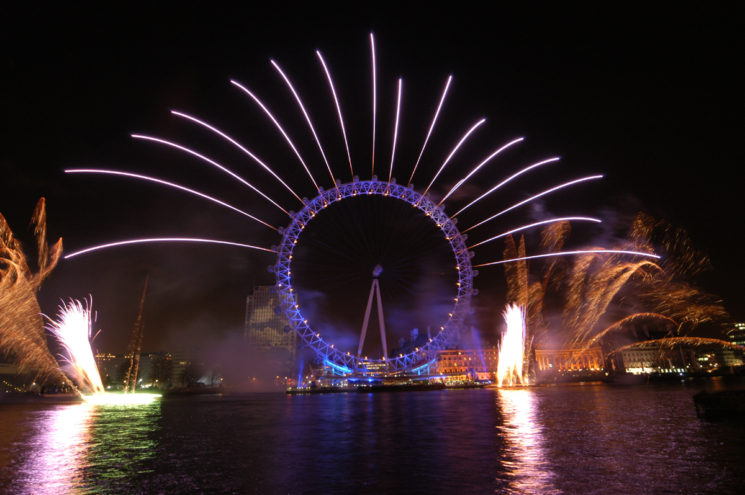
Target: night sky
x=651, y=97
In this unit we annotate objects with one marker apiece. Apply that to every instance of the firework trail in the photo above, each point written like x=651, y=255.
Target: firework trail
x=478, y=167
x=453, y=152
x=73, y=329
x=307, y=118
x=22, y=337
x=168, y=184
x=164, y=239
x=395, y=128
x=591, y=288
x=671, y=292
x=431, y=127
x=279, y=127
x=338, y=110
x=239, y=146
x=536, y=224
x=629, y=319
x=374, y=102
x=213, y=163
x=533, y=198
x=506, y=181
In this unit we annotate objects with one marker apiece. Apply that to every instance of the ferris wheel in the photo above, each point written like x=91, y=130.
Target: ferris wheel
x=327, y=351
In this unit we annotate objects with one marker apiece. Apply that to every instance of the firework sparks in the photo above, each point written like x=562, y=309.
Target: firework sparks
x=512, y=348
x=628, y=319
x=22, y=336
x=72, y=328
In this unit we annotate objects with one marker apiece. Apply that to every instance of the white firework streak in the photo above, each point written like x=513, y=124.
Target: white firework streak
x=431, y=127
x=478, y=167
x=395, y=128
x=533, y=198
x=452, y=153
x=572, y=253
x=279, y=127
x=536, y=224
x=338, y=109
x=507, y=180
x=307, y=118
x=237, y=145
x=164, y=239
x=214, y=164
x=166, y=183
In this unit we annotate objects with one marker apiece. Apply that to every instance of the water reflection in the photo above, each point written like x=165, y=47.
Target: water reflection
x=85, y=447
x=58, y=450
x=526, y=467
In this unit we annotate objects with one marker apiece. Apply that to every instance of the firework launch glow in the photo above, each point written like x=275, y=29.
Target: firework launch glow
x=120, y=399
x=512, y=348
x=72, y=328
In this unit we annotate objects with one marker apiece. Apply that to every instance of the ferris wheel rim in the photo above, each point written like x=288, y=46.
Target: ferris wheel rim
x=347, y=362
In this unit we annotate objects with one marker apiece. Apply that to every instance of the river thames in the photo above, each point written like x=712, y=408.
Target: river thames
x=565, y=439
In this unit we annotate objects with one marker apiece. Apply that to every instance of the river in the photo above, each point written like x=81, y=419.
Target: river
x=565, y=439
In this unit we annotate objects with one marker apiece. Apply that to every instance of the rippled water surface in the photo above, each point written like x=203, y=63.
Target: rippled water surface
x=570, y=439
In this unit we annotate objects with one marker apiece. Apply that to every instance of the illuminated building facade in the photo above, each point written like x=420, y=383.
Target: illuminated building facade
x=737, y=334
x=640, y=361
x=563, y=360
x=464, y=365
x=267, y=330
x=569, y=364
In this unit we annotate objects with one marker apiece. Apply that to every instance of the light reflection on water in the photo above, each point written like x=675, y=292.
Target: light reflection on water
x=567, y=439
x=68, y=443
x=526, y=465
x=58, y=448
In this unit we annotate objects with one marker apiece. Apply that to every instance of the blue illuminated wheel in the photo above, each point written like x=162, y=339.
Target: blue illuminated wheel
x=346, y=361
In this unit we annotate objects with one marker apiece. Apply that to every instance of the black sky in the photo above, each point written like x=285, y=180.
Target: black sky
x=652, y=97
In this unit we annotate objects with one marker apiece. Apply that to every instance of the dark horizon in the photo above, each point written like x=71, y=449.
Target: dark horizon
x=648, y=97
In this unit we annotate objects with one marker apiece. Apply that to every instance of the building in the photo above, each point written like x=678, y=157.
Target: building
x=267, y=330
x=156, y=370
x=569, y=364
x=564, y=360
x=465, y=365
x=737, y=334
